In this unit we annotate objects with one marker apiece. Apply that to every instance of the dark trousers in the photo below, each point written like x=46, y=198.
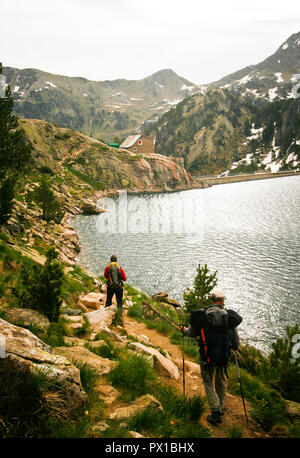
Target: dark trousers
x=119, y=296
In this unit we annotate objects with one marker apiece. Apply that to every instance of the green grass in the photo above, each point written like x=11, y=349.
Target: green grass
x=132, y=374
x=88, y=376
x=85, y=178
x=27, y=409
x=268, y=408
x=83, y=330
x=235, y=432
x=107, y=350
x=53, y=336
x=155, y=423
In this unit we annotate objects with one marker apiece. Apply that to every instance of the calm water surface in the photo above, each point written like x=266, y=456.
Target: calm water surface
x=249, y=232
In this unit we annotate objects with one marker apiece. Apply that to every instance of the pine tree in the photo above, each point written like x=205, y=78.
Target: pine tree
x=51, y=207
x=198, y=297
x=283, y=370
x=41, y=286
x=14, y=153
x=7, y=194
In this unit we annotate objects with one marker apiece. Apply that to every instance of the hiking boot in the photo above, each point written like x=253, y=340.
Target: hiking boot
x=214, y=418
x=222, y=411
x=120, y=321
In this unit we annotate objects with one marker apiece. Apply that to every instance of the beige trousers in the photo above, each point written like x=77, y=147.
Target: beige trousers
x=215, y=395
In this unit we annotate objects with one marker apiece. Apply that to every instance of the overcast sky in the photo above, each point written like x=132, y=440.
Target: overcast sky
x=109, y=39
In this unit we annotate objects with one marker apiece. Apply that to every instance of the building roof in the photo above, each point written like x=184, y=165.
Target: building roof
x=130, y=141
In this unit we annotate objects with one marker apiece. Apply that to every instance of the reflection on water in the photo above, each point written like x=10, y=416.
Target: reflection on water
x=247, y=231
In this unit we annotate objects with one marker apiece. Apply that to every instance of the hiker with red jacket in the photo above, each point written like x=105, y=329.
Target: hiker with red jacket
x=115, y=276
x=216, y=328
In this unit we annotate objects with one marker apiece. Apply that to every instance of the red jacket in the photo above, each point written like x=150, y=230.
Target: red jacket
x=106, y=273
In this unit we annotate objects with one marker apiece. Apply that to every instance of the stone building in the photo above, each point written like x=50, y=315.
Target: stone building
x=139, y=144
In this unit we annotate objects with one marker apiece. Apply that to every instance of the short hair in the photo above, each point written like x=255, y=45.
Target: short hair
x=113, y=258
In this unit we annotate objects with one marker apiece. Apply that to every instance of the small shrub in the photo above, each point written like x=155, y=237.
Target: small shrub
x=41, y=286
x=55, y=335
x=88, y=376
x=132, y=374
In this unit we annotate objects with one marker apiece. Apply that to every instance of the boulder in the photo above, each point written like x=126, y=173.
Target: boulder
x=70, y=312
x=136, y=435
x=74, y=319
x=113, y=335
x=139, y=405
x=27, y=317
x=24, y=351
x=74, y=341
x=91, y=300
x=170, y=301
x=140, y=338
x=84, y=356
x=107, y=392
x=163, y=297
x=101, y=318
x=168, y=367
x=88, y=207
x=293, y=409
x=74, y=325
x=192, y=368
x=97, y=343
x=100, y=427
x=159, y=295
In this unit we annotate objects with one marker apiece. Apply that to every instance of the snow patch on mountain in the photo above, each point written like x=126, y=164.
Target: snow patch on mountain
x=272, y=93
x=184, y=87
x=279, y=77
x=50, y=84
x=245, y=79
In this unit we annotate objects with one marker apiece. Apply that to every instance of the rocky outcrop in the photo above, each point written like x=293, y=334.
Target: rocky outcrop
x=139, y=405
x=88, y=207
x=293, y=409
x=82, y=355
x=24, y=351
x=160, y=361
x=101, y=318
x=91, y=300
x=27, y=317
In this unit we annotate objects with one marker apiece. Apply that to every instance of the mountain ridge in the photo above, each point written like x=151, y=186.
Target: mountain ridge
x=102, y=109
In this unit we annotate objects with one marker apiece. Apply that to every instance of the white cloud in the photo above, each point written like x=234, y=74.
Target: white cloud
x=109, y=39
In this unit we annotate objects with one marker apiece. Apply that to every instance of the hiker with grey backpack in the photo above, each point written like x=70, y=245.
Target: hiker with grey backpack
x=215, y=328
x=115, y=276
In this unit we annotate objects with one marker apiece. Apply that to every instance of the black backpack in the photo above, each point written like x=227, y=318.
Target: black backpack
x=114, y=275
x=217, y=336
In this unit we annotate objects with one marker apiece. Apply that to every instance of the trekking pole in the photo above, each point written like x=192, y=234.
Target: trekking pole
x=126, y=297
x=239, y=377
x=183, y=368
